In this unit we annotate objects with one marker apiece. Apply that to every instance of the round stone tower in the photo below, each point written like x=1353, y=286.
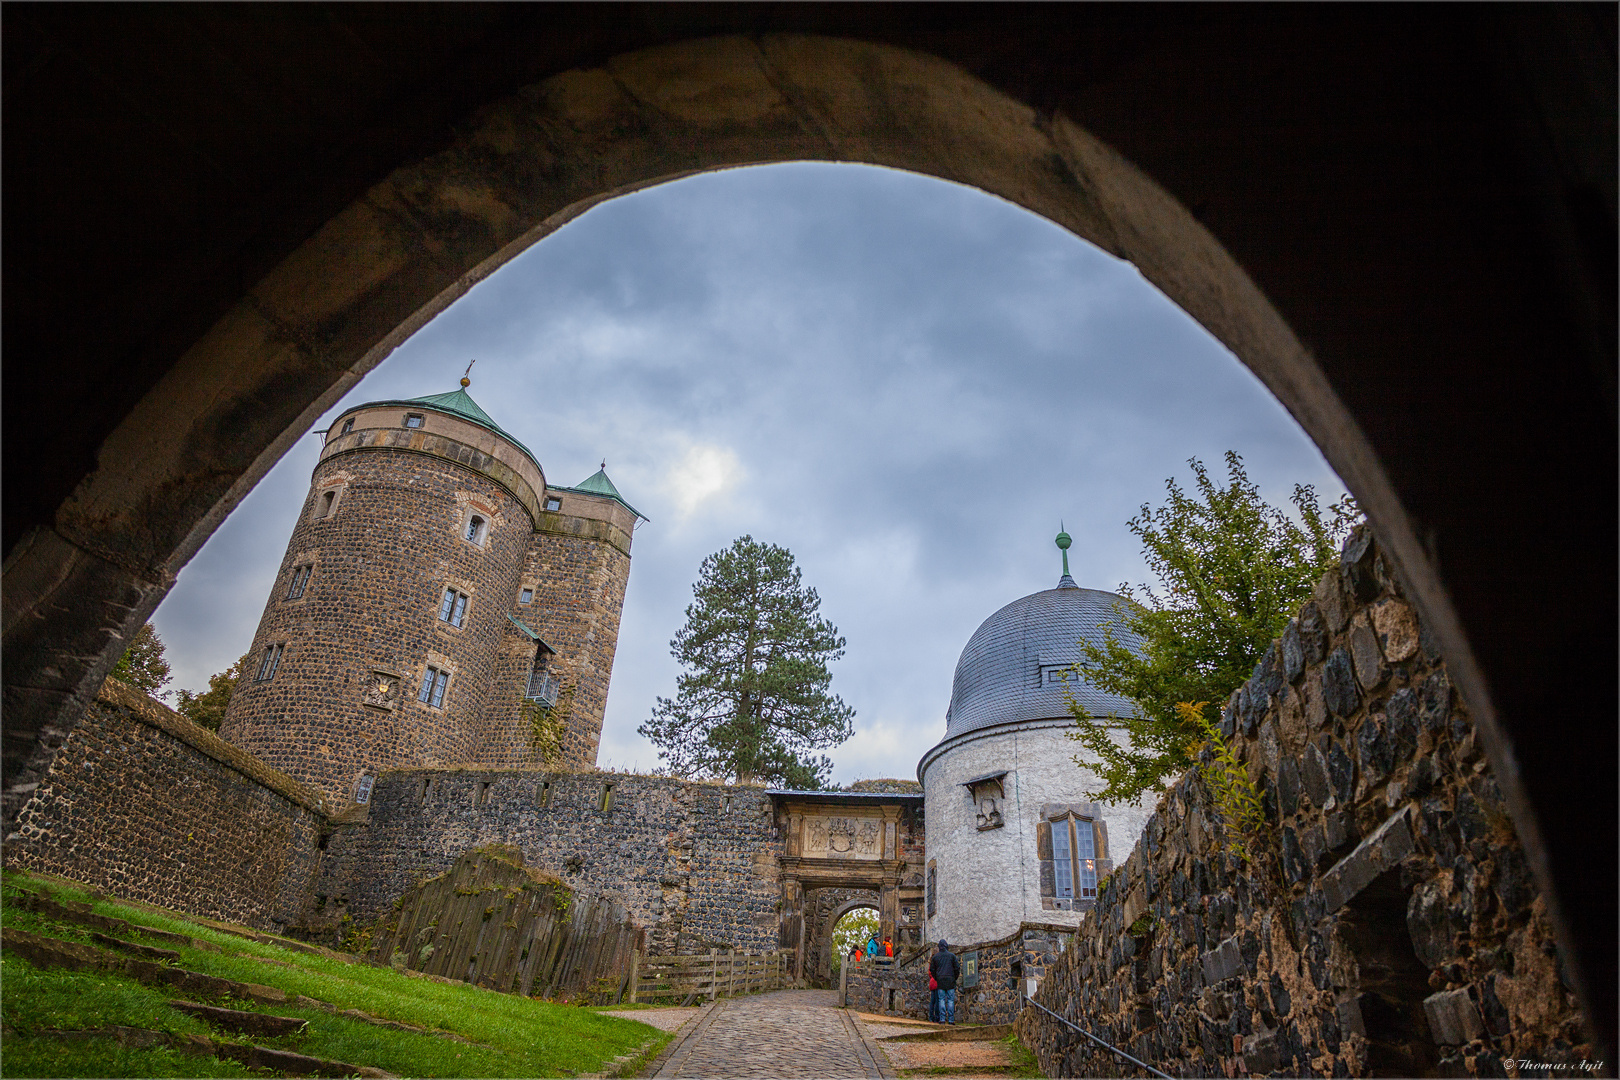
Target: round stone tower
x=1011, y=836
x=409, y=626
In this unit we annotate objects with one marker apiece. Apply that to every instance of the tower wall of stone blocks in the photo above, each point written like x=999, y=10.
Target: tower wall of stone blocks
x=427, y=565
x=578, y=563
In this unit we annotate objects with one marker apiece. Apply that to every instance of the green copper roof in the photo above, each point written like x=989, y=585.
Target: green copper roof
x=461, y=403
x=599, y=484
x=521, y=625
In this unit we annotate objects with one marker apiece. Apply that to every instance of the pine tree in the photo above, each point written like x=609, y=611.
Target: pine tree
x=753, y=701
x=207, y=708
x=1232, y=569
x=143, y=665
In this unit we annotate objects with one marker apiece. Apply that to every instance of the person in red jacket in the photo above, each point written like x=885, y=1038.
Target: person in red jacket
x=888, y=947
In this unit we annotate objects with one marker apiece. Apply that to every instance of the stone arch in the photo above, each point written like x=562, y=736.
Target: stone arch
x=836, y=903
x=521, y=166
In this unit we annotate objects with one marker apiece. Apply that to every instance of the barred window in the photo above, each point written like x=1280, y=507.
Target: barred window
x=300, y=578
x=434, y=682
x=933, y=890
x=476, y=527
x=453, y=608
x=271, y=661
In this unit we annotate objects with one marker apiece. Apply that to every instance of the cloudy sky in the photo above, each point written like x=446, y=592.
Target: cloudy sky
x=905, y=382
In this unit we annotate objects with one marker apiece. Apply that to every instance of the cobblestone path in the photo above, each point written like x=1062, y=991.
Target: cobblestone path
x=789, y=1033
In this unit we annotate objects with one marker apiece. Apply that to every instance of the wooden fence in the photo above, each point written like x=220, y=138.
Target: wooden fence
x=492, y=922
x=706, y=975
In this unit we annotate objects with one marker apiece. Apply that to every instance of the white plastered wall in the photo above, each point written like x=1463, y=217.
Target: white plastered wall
x=989, y=881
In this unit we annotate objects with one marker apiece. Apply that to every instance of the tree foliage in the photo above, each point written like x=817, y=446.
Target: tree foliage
x=753, y=700
x=854, y=929
x=1232, y=570
x=143, y=665
x=206, y=708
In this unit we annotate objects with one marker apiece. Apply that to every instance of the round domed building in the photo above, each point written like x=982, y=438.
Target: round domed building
x=1012, y=837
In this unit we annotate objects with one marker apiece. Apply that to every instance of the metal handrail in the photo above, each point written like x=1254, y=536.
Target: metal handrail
x=1099, y=1042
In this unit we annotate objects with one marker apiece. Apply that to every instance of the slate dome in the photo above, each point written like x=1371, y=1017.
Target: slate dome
x=1009, y=671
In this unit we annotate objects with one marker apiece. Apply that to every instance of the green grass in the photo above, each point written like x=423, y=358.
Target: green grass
x=35, y=1056
x=521, y=1036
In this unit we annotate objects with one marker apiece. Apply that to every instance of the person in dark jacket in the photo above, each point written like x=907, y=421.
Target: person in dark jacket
x=945, y=967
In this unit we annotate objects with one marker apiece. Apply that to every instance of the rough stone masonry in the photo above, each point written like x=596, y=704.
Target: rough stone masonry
x=1383, y=921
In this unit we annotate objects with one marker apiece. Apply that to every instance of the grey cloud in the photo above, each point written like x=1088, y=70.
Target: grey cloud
x=917, y=380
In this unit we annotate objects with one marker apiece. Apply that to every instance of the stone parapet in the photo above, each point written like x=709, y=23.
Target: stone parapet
x=1382, y=921
x=694, y=864
x=144, y=804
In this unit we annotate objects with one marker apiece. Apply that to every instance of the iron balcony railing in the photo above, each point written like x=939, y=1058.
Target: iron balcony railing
x=542, y=688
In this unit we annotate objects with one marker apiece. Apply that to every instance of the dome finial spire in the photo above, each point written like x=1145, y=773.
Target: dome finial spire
x=1063, y=542
x=466, y=376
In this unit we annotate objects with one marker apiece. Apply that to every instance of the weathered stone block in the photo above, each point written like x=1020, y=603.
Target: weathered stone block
x=1397, y=630
x=1293, y=652
x=1223, y=962
x=1386, y=847
x=1428, y=924
x=1339, y=690
x=1453, y=1018
x=1371, y=671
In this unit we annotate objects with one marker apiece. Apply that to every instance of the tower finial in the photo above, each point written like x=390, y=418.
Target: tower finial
x=604, y=465
x=466, y=379
x=1063, y=542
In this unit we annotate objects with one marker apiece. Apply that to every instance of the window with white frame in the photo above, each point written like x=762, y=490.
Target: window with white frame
x=300, y=579
x=453, y=607
x=271, y=661
x=434, y=682
x=1074, y=858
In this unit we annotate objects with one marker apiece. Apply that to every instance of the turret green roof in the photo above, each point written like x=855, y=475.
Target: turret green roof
x=460, y=402
x=599, y=484
x=456, y=403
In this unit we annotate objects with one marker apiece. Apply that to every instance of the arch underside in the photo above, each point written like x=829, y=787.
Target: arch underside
x=233, y=399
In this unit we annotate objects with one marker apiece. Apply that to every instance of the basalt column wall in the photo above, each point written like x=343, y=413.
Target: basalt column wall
x=695, y=864
x=385, y=533
x=145, y=805
x=1382, y=921
x=578, y=564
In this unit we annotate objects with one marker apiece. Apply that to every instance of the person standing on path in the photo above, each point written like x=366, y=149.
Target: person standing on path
x=944, y=967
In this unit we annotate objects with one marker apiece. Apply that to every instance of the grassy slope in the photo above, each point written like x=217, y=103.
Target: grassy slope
x=521, y=1036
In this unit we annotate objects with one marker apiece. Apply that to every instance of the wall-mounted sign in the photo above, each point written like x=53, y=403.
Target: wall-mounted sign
x=970, y=970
